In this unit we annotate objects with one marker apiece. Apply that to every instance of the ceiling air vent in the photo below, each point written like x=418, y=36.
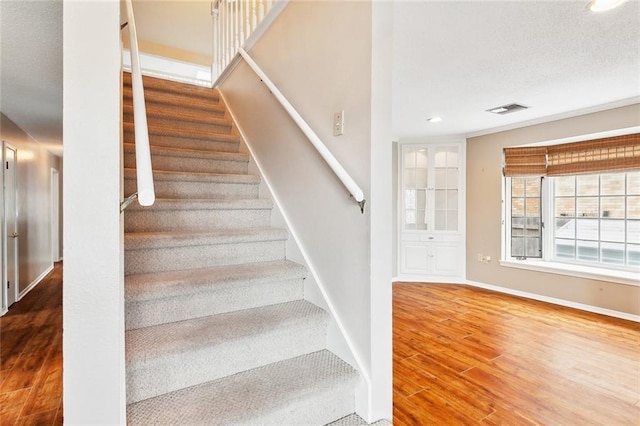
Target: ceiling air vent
x=507, y=109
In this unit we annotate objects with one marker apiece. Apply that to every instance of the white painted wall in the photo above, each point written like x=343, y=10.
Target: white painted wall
x=484, y=195
x=381, y=207
x=350, y=251
x=181, y=30
x=93, y=295
x=34, y=191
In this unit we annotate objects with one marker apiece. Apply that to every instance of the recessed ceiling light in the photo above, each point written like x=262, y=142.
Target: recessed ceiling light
x=603, y=5
x=506, y=109
x=434, y=119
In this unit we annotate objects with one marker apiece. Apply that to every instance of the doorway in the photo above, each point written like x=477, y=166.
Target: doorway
x=55, y=215
x=10, y=234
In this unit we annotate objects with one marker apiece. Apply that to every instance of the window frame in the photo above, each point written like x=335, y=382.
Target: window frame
x=548, y=262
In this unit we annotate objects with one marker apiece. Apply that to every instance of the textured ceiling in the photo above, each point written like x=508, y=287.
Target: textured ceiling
x=451, y=58
x=457, y=59
x=31, y=68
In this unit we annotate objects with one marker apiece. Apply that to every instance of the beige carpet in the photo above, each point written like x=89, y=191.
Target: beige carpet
x=218, y=332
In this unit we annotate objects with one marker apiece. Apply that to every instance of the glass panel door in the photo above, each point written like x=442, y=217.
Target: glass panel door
x=446, y=186
x=414, y=188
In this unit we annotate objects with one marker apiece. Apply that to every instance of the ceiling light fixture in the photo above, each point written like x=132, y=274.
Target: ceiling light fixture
x=603, y=5
x=507, y=109
x=434, y=119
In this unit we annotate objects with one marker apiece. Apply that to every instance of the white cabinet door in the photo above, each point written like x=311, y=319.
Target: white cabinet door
x=431, y=210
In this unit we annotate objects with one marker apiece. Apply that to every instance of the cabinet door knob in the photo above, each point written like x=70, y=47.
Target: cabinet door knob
x=431, y=238
x=15, y=235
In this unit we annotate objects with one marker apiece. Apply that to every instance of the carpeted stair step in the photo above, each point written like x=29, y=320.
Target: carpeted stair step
x=356, y=420
x=163, y=92
x=170, y=214
x=158, y=85
x=196, y=185
x=182, y=122
x=173, y=356
x=177, y=112
x=172, y=101
x=210, y=142
x=176, y=126
x=193, y=160
x=159, y=298
x=182, y=132
x=313, y=389
x=171, y=251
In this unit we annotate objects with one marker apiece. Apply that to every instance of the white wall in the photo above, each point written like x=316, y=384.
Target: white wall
x=181, y=30
x=93, y=295
x=382, y=209
x=484, y=186
x=34, y=208
x=319, y=54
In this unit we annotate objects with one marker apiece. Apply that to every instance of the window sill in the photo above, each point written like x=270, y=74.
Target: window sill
x=589, y=272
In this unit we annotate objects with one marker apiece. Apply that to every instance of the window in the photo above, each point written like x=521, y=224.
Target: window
x=526, y=218
x=597, y=218
x=576, y=203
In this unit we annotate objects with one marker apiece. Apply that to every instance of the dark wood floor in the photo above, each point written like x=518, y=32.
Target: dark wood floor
x=31, y=356
x=463, y=355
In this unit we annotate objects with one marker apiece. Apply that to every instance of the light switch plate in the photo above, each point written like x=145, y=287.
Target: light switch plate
x=338, y=123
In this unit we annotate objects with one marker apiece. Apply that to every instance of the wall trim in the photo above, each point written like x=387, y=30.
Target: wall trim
x=34, y=283
x=555, y=301
x=309, y=264
x=169, y=69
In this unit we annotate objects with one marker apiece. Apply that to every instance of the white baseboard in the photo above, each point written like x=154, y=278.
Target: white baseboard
x=553, y=300
x=34, y=283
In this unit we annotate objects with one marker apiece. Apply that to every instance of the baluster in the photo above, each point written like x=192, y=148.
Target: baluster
x=229, y=45
x=242, y=28
x=254, y=16
x=260, y=10
x=269, y=4
x=247, y=20
x=236, y=21
x=214, y=46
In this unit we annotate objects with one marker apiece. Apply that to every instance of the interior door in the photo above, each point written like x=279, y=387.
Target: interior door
x=55, y=215
x=11, y=226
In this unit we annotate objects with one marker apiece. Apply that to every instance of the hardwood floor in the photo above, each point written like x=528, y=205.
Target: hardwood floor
x=464, y=355
x=31, y=356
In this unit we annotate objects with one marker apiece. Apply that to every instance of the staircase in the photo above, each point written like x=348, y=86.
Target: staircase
x=218, y=331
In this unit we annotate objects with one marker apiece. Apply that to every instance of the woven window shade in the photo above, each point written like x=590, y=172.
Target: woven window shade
x=617, y=153
x=525, y=161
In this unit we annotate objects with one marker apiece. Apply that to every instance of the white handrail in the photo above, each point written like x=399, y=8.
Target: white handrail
x=324, y=152
x=144, y=172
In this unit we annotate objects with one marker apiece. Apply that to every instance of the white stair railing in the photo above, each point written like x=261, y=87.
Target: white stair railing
x=236, y=26
x=346, y=179
x=235, y=23
x=144, y=172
